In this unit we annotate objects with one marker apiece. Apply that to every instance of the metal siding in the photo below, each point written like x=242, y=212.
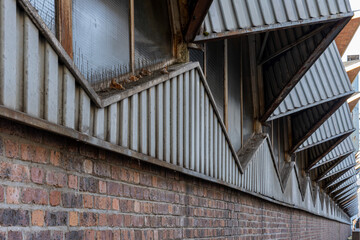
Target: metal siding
x=325, y=81
x=255, y=15
x=341, y=166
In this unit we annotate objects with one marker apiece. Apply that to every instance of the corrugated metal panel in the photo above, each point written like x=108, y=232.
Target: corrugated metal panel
x=345, y=184
x=239, y=16
x=346, y=175
x=337, y=125
x=165, y=121
x=344, y=148
x=348, y=162
x=326, y=80
x=346, y=192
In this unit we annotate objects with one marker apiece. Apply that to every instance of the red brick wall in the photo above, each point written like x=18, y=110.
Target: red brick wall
x=57, y=188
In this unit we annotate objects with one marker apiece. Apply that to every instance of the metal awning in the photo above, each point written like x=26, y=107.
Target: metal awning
x=348, y=182
x=345, y=148
x=348, y=163
x=339, y=124
x=235, y=17
x=325, y=81
x=348, y=174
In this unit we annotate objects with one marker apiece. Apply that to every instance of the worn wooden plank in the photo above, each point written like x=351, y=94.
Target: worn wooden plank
x=99, y=119
x=63, y=21
x=68, y=99
x=84, y=112
x=143, y=118
x=152, y=122
x=134, y=122
x=112, y=133
x=159, y=122
x=124, y=123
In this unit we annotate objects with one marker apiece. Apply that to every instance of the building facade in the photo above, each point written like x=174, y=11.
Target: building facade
x=175, y=120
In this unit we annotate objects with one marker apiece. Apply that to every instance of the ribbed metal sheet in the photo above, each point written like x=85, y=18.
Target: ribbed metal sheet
x=173, y=122
x=344, y=148
x=351, y=172
x=348, y=162
x=346, y=192
x=337, y=125
x=255, y=15
x=326, y=80
x=345, y=184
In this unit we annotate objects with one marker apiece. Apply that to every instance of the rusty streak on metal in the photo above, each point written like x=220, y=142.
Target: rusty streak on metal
x=197, y=17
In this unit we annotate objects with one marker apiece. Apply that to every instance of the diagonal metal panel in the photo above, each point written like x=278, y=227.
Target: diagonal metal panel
x=348, y=174
x=338, y=124
x=344, y=148
x=325, y=81
x=344, y=184
x=347, y=163
x=233, y=17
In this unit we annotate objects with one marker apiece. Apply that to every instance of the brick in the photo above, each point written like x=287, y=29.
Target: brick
x=102, y=169
x=40, y=155
x=115, y=220
x=88, y=219
x=116, y=172
x=88, y=166
x=37, y=218
x=43, y=235
x=11, y=149
x=56, y=218
x=71, y=200
x=12, y=195
x=35, y=196
x=27, y=152
x=90, y=234
x=73, y=182
x=114, y=189
x=73, y=219
x=55, y=198
x=102, y=203
x=14, y=235
x=74, y=235
x=102, y=187
x=56, y=179
x=37, y=175
x=2, y=194
x=89, y=185
x=14, y=172
x=103, y=217
x=57, y=235
x=105, y=235
x=12, y=217
x=115, y=204
x=88, y=201
x=55, y=158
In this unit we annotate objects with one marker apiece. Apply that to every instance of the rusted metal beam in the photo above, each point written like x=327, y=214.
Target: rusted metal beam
x=302, y=70
x=196, y=19
x=63, y=20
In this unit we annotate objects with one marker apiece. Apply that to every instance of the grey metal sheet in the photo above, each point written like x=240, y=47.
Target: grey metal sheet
x=344, y=148
x=337, y=125
x=241, y=16
x=326, y=80
x=349, y=161
x=345, y=184
x=351, y=172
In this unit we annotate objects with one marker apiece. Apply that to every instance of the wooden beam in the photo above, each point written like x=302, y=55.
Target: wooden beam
x=132, y=36
x=303, y=69
x=226, y=86
x=63, y=20
x=196, y=19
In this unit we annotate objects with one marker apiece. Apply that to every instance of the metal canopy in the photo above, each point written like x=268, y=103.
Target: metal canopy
x=325, y=81
x=235, y=17
x=344, y=148
x=351, y=172
x=346, y=164
x=351, y=180
x=340, y=123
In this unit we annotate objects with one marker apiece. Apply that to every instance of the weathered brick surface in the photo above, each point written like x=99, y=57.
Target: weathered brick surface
x=56, y=188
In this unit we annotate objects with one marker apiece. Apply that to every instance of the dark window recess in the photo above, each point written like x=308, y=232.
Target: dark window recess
x=101, y=38
x=46, y=10
x=352, y=57
x=152, y=33
x=197, y=56
x=215, y=72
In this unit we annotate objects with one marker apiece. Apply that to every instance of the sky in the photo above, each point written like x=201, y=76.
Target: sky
x=354, y=46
